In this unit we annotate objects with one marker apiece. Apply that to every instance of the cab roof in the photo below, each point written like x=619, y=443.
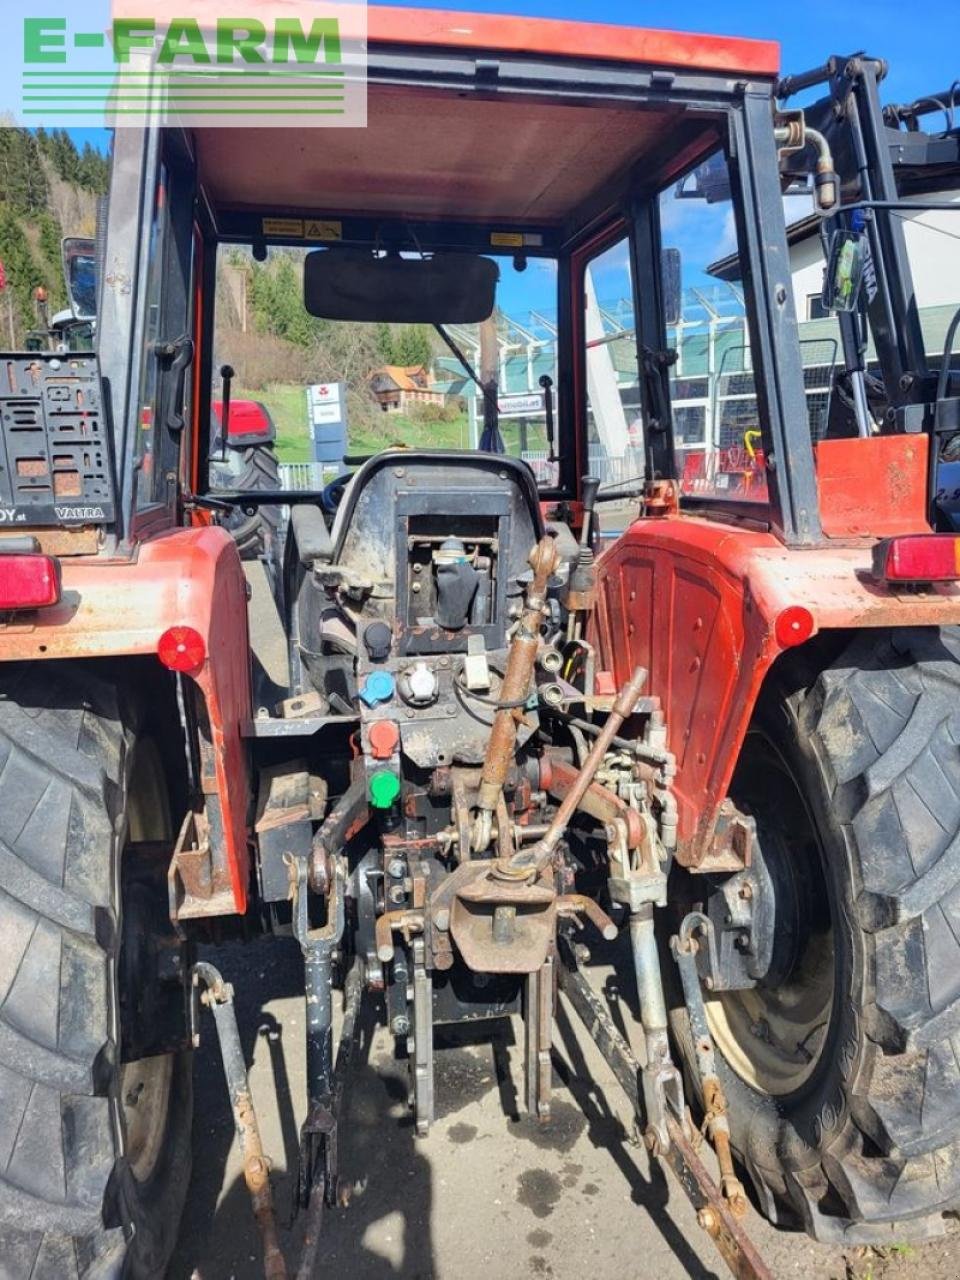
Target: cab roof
x=502, y=33
x=440, y=151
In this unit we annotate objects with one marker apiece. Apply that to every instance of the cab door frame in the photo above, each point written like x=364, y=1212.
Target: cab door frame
x=154, y=172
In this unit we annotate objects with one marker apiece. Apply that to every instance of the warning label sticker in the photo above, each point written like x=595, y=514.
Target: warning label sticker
x=283, y=227
x=323, y=229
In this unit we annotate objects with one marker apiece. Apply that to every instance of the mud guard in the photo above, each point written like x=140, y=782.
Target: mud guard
x=697, y=603
x=188, y=577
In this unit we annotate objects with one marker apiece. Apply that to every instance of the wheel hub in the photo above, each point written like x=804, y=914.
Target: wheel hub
x=144, y=1097
x=772, y=1030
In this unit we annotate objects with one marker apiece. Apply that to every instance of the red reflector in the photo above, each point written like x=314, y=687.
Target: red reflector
x=29, y=582
x=793, y=625
x=182, y=649
x=918, y=557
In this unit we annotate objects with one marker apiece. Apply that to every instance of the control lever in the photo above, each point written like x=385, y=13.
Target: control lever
x=581, y=585
x=226, y=376
x=589, y=487
x=546, y=382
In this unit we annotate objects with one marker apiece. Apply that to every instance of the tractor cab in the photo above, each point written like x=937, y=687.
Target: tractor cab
x=635, y=331
x=579, y=232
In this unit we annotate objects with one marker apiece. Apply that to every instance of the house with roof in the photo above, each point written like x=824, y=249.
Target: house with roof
x=400, y=388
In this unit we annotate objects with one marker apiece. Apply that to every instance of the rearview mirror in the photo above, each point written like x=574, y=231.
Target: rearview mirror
x=844, y=271
x=80, y=276
x=672, y=285
x=351, y=284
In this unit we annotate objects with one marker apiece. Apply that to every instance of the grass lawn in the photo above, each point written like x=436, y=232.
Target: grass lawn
x=399, y=429
x=288, y=407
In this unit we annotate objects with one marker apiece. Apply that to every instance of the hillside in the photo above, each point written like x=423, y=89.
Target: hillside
x=48, y=189
x=277, y=350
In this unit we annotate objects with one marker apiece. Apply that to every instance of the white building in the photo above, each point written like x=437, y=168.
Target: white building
x=933, y=247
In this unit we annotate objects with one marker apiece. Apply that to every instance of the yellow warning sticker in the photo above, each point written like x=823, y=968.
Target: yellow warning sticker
x=322, y=229
x=507, y=239
x=283, y=227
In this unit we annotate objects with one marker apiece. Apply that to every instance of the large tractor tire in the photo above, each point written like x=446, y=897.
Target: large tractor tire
x=843, y=1074
x=256, y=535
x=94, y=1154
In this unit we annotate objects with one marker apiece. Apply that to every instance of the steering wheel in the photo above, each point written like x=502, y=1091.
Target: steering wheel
x=333, y=493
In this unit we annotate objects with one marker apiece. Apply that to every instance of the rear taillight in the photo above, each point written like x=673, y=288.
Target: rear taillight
x=918, y=557
x=28, y=582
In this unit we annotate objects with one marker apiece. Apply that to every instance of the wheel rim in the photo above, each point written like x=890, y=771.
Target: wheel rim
x=145, y=1095
x=773, y=1039
x=145, y=1085
x=773, y=1035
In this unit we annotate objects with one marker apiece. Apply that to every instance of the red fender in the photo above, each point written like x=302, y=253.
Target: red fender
x=696, y=603
x=111, y=608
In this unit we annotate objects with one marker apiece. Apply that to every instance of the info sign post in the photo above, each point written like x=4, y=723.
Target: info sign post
x=327, y=407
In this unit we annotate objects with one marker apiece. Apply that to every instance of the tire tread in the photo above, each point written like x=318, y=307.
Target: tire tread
x=64, y=750
x=884, y=719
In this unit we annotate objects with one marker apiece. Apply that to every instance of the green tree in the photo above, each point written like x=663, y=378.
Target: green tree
x=276, y=300
x=384, y=340
x=23, y=184
x=404, y=344
x=22, y=270
x=93, y=172
x=52, y=263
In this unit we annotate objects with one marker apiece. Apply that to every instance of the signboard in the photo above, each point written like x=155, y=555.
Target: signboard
x=327, y=408
x=521, y=406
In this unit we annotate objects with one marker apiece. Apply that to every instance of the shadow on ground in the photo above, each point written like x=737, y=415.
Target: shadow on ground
x=506, y=1180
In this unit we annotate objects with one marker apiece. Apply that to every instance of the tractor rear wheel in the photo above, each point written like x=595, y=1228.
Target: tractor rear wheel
x=94, y=1154
x=256, y=535
x=842, y=1073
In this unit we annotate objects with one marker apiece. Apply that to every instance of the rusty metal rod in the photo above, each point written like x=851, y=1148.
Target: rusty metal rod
x=403, y=919
x=734, y=1245
x=321, y=1193
x=684, y=948
x=579, y=902
x=521, y=864
x=256, y=1170
x=516, y=684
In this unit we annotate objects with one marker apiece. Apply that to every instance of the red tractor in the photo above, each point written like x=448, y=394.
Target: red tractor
x=244, y=458
x=727, y=741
